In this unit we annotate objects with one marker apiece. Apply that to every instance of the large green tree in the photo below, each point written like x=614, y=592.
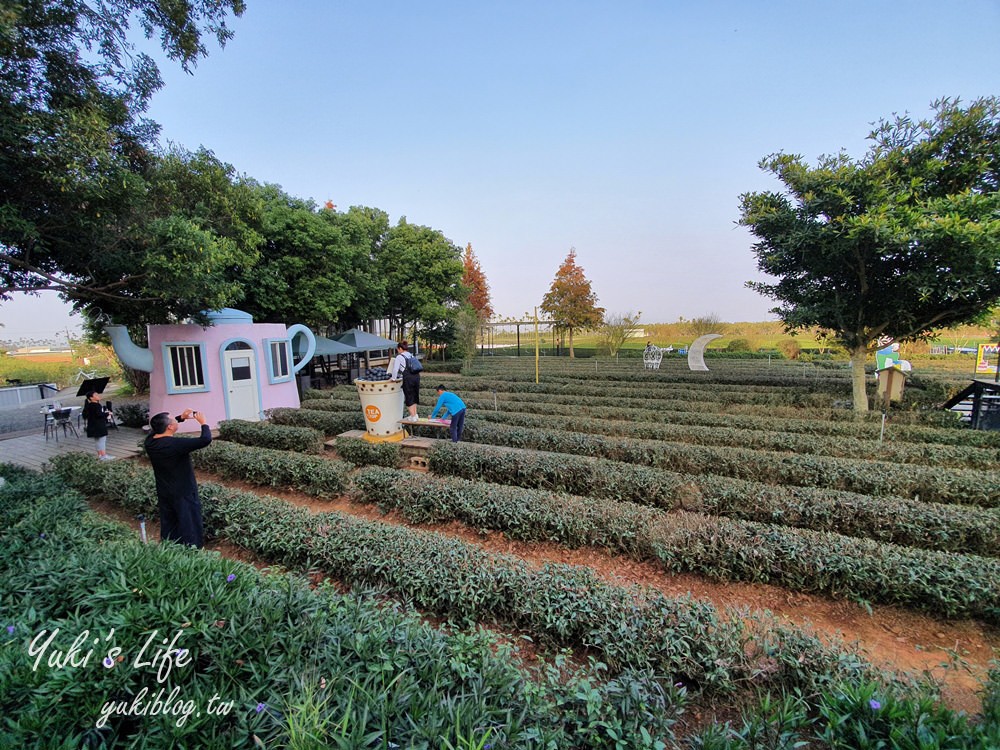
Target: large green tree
x=311, y=270
x=422, y=271
x=76, y=165
x=570, y=301
x=900, y=243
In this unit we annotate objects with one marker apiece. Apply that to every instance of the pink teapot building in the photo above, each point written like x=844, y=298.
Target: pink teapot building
x=232, y=369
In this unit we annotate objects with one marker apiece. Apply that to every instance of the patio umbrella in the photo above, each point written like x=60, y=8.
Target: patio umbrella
x=95, y=384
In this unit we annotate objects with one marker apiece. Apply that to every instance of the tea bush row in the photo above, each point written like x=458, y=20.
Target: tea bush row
x=326, y=422
x=899, y=452
x=314, y=475
x=362, y=453
x=933, y=526
x=793, y=660
x=557, y=604
x=864, y=430
x=292, y=662
x=941, y=583
x=268, y=435
x=875, y=478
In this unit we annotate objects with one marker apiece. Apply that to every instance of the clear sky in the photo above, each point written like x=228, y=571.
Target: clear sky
x=625, y=129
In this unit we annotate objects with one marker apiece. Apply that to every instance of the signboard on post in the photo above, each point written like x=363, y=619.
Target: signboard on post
x=986, y=359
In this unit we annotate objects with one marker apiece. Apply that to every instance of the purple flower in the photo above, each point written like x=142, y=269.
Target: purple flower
x=874, y=704
x=108, y=662
x=261, y=707
x=231, y=577
x=42, y=535
x=10, y=630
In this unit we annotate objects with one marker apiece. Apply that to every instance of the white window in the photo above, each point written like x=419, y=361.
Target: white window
x=185, y=367
x=278, y=360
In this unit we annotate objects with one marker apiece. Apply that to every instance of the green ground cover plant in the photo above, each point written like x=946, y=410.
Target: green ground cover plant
x=286, y=665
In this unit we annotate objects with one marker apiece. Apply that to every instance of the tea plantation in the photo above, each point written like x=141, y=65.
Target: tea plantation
x=382, y=635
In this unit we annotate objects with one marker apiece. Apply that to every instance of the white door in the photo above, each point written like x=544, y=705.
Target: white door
x=242, y=399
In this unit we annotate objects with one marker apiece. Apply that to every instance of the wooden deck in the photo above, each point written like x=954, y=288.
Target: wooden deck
x=32, y=450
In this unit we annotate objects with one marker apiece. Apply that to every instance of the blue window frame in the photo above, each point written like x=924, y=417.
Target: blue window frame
x=279, y=360
x=185, y=367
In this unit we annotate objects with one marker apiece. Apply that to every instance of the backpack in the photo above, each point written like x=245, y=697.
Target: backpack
x=413, y=365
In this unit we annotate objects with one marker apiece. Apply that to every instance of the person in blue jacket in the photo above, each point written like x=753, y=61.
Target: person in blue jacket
x=454, y=406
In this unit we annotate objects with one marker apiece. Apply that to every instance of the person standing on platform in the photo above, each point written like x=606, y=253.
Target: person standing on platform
x=97, y=424
x=176, y=487
x=450, y=404
x=400, y=368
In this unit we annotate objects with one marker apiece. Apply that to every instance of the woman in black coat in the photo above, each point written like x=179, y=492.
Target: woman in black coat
x=97, y=424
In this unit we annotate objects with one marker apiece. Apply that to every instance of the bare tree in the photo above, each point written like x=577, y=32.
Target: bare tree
x=705, y=324
x=616, y=329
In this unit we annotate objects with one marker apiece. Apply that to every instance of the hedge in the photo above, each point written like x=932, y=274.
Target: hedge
x=934, y=526
x=265, y=435
x=878, y=478
x=940, y=583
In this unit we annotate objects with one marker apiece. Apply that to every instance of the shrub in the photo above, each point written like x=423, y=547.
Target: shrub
x=789, y=348
x=132, y=414
x=314, y=475
x=362, y=453
x=279, y=437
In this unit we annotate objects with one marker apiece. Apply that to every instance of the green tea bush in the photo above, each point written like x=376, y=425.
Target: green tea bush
x=766, y=440
x=953, y=585
x=948, y=528
x=877, y=478
x=265, y=435
x=328, y=424
x=124, y=482
x=314, y=475
x=558, y=604
x=362, y=453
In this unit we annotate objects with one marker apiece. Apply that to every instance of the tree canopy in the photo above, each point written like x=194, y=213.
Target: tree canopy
x=75, y=151
x=570, y=301
x=900, y=243
x=422, y=272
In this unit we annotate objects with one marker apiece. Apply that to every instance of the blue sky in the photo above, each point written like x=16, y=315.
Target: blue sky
x=624, y=129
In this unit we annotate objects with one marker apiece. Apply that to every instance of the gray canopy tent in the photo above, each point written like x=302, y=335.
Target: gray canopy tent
x=363, y=344
x=339, y=359
x=330, y=358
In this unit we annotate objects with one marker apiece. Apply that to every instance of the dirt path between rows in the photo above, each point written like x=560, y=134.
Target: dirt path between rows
x=956, y=653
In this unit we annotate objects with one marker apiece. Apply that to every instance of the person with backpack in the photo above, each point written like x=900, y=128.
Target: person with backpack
x=408, y=368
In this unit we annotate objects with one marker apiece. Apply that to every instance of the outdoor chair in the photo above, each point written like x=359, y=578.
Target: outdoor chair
x=64, y=418
x=50, y=426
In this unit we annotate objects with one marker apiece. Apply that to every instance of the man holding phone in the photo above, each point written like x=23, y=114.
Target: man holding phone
x=176, y=487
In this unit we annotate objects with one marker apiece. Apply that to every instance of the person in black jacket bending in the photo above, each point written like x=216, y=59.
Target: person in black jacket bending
x=176, y=488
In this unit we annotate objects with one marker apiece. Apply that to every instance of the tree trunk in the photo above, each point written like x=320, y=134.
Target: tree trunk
x=571, y=355
x=858, y=358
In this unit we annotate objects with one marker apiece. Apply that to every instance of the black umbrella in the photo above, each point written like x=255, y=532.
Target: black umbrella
x=95, y=384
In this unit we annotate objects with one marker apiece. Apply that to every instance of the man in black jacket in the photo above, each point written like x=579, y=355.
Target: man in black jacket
x=176, y=488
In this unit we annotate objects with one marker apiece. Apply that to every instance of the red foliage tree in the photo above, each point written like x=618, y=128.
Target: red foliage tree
x=474, y=280
x=570, y=301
